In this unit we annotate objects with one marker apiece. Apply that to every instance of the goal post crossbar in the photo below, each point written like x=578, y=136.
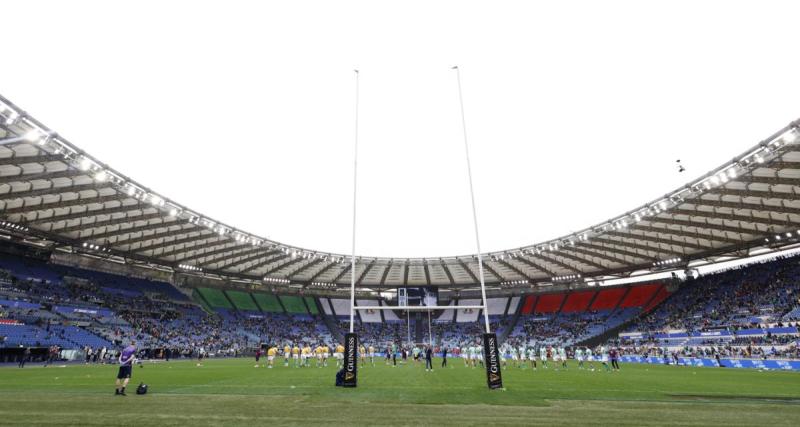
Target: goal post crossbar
x=419, y=307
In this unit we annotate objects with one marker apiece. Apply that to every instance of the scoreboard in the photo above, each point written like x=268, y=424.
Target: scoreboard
x=417, y=296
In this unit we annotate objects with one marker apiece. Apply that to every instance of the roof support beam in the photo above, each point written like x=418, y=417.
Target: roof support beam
x=446, y=271
x=657, y=249
x=266, y=262
x=199, y=246
x=386, y=271
x=766, y=195
x=246, y=260
x=60, y=204
x=769, y=180
x=466, y=268
x=183, y=240
x=24, y=160
x=600, y=255
x=743, y=205
x=342, y=273
x=551, y=258
x=157, y=235
x=284, y=265
x=40, y=176
x=206, y=254
x=494, y=273
x=657, y=240
x=86, y=213
x=107, y=223
x=514, y=269
x=692, y=235
x=738, y=216
x=51, y=191
x=366, y=270
x=304, y=267
x=536, y=265
x=322, y=271
x=563, y=253
x=702, y=225
x=600, y=245
x=427, y=272
x=134, y=230
x=233, y=255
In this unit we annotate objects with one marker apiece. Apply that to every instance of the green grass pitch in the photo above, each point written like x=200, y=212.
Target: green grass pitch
x=232, y=392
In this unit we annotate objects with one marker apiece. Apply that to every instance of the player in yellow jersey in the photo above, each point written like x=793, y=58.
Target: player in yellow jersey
x=372, y=355
x=320, y=352
x=287, y=353
x=339, y=355
x=362, y=352
x=326, y=353
x=271, y=356
x=306, y=355
x=296, y=355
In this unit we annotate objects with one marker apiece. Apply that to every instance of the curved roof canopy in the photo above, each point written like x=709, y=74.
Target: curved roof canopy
x=53, y=192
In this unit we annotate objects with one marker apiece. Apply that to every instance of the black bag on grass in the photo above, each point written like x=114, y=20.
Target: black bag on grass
x=340, y=378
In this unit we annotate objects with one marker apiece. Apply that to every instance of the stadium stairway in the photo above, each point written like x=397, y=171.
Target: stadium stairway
x=198, y=298
x=332, y=327
x=599, y=339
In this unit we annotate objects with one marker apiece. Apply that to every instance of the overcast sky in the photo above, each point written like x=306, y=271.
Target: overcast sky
x=576, y=111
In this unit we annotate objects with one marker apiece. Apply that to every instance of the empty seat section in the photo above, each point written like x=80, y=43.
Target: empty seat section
x=513, y=305
x=496, y=306
x=661, y=295
x=242, y=301
x=341, y=307
x=215, y=298
x=577, y=301
x=639, y=295
x=549, y=303
x=312, y=305
x=608, y=299
x=530, y=302
x=447, y=315
x=369, y=316
x=294, y=304
x=390, y=316
x=269, y=303
x=469, y=314
x=326, y=306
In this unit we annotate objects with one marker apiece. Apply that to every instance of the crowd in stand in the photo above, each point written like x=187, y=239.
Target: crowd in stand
x=757, y=296
x=740, y=298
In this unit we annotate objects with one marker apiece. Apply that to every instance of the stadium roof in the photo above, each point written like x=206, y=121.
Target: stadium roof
x=55, y=194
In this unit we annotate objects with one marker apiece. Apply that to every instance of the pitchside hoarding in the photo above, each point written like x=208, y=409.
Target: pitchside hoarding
x=350, y=360
x=491, y=356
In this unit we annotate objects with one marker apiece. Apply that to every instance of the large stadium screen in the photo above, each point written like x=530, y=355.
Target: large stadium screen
x=421, y=296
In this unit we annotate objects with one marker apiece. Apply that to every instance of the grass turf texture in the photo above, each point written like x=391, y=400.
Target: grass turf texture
x=233, y=392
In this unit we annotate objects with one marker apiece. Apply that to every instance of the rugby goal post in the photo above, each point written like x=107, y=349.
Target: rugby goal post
x=490, y=346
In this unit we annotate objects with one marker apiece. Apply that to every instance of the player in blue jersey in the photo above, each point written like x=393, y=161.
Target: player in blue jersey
x=126, y=360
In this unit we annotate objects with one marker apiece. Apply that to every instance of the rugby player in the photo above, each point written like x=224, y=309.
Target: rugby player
x=339, y=355
x=543, y=356
x=271, y=352
x=296, y=355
